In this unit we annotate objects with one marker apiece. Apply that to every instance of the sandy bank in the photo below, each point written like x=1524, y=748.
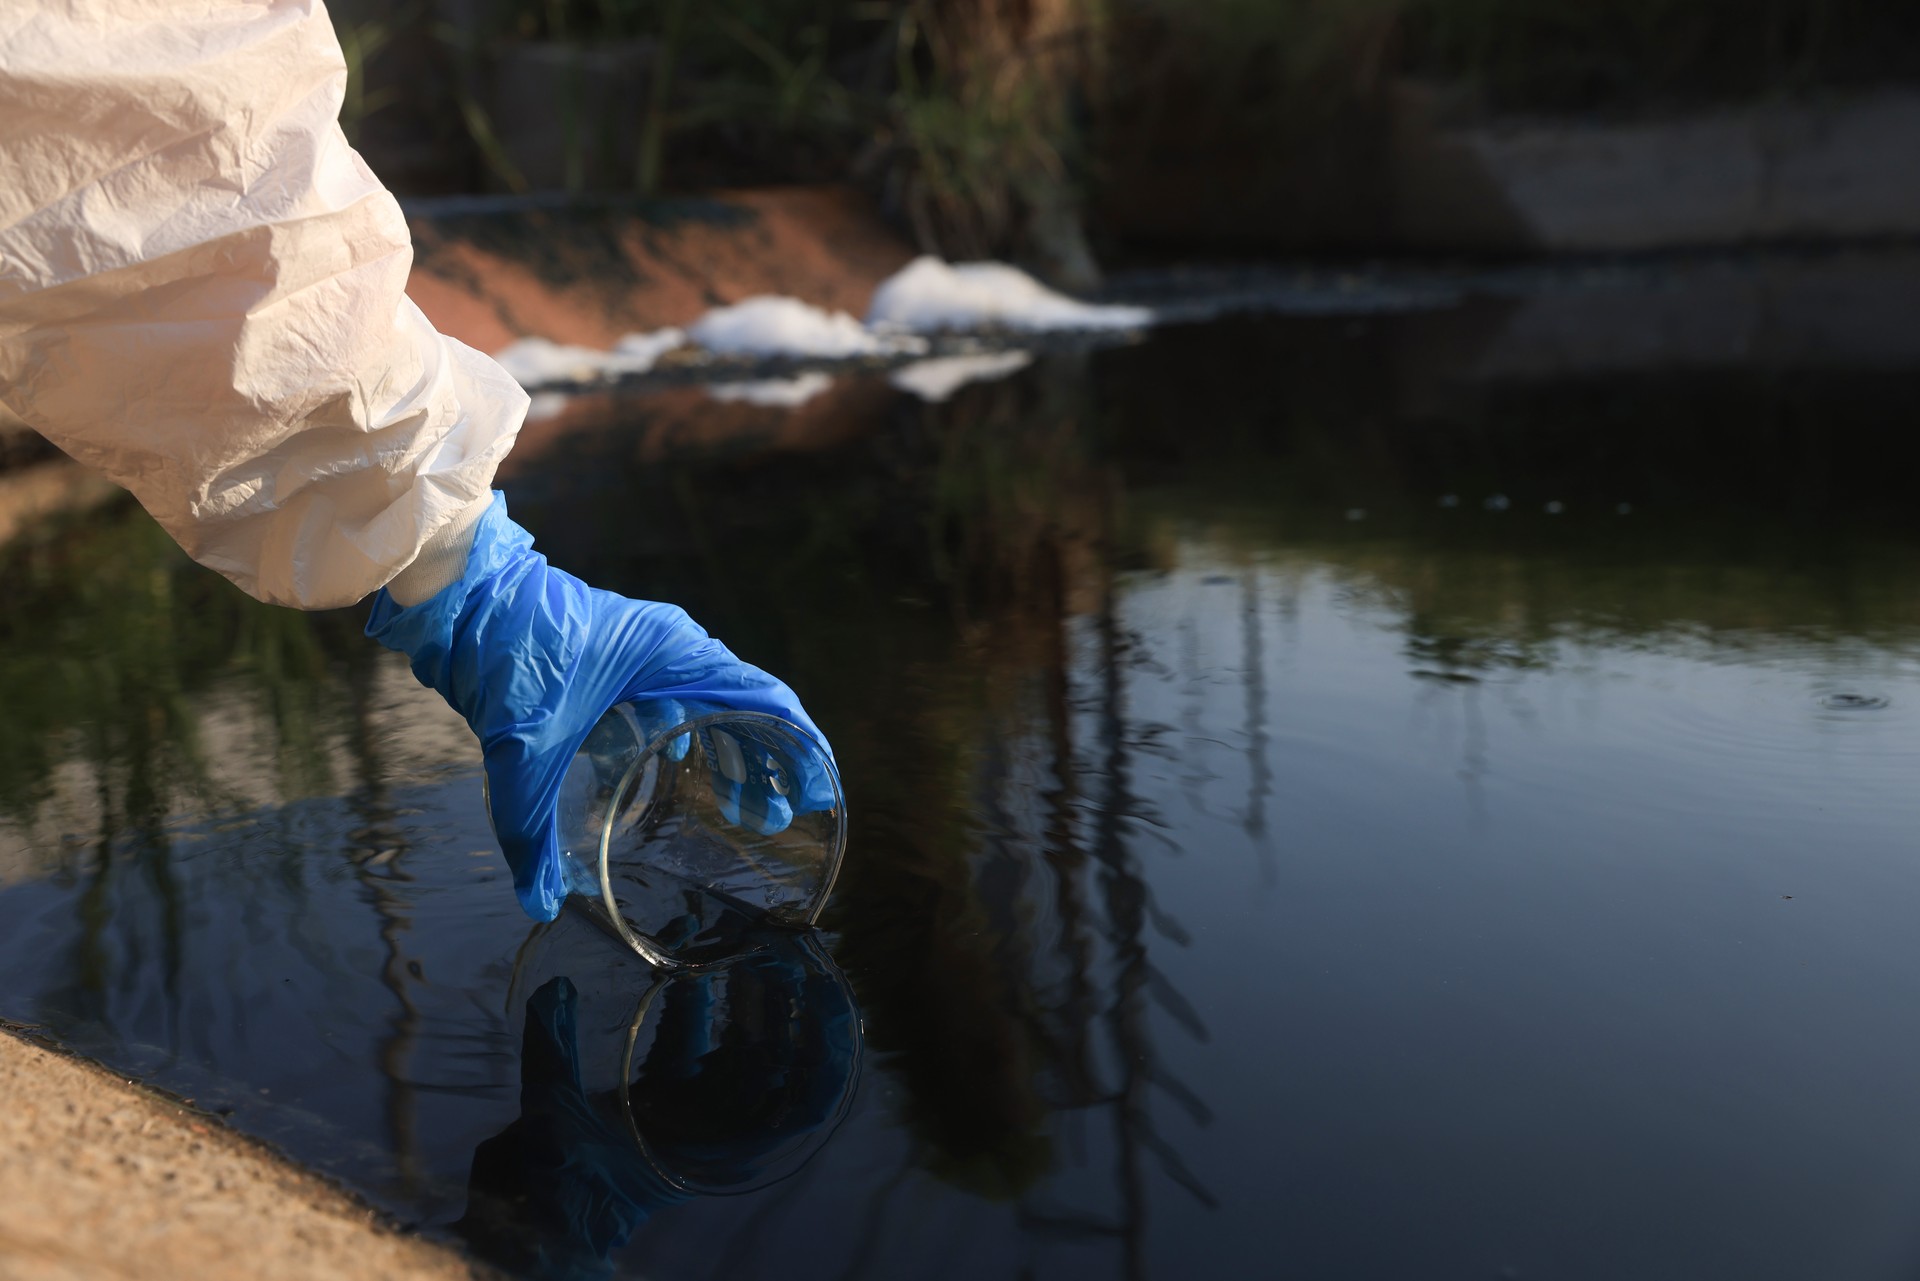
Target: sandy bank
x=104, y=1179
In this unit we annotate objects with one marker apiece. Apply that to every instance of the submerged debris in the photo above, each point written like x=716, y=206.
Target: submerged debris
x=1852, y=702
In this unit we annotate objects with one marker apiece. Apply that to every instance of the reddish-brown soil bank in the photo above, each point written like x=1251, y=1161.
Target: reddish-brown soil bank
x=590, y=275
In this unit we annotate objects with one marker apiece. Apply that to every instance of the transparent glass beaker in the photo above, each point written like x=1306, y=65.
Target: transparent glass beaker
x=687, y=826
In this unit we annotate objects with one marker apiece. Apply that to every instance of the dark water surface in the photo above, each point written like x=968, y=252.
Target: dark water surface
x=1321, y=808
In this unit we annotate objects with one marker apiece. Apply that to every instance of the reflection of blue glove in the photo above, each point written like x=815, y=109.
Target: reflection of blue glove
x=532, y=657
x=747, y=1067
x=560, y=1189
x=746, y=1058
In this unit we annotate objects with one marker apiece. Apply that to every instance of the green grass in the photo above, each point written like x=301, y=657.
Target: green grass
x=980, y=123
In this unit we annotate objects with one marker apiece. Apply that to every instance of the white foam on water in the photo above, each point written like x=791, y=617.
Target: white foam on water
x=926, y=296
x=773, y=393
x=777, y=326
x=937, y=379
x=540, y=362
x=635, y=348
x=543, y=405
x=931, y=296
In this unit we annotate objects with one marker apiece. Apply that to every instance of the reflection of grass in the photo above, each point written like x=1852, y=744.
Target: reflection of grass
x=1477, y=589
x=1015, y=477
x=926, y=932
x=110, y=645
x=1493, y=601
x=927, y=590
x=1765, y=508
x=911, y=593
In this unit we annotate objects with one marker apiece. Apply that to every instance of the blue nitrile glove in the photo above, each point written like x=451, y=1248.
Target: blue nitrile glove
x=741, y=783
x=533, y=657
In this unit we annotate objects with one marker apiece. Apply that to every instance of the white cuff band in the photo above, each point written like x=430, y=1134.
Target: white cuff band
x=442, y=559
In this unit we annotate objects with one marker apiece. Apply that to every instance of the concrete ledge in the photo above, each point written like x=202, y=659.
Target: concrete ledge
x=1819, y=170
x=1425, y=168
x=105, y=1179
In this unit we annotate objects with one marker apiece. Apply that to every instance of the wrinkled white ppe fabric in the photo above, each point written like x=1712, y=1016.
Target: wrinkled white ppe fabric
x=202, y=294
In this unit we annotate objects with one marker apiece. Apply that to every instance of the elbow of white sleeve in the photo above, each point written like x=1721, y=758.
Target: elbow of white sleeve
x=202, y=295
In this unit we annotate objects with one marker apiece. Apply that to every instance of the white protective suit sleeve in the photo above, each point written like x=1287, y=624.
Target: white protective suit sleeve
x=202, y=294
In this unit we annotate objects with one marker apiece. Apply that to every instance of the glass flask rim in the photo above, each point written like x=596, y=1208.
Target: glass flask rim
x=650, y=750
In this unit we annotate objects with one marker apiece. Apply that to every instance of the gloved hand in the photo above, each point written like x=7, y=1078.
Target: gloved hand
x=532, y=657
x=755, y=779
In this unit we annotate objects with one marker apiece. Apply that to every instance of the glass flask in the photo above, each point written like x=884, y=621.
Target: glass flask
x=687, y=826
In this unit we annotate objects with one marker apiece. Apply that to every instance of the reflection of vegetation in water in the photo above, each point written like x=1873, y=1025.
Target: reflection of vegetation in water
x=941, y=594
x=1760, y=511
x=1491, y=593
x=115, y=650
x=111, y=650
x=1016, y=487
x=1517, y=607
x=119, y=653
x=1036, y=883
x=921, y=590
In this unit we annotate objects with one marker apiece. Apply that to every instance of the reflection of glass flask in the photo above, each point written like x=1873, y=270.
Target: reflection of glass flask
x=736, y=1075
x=687, y=826
x=732, y=1076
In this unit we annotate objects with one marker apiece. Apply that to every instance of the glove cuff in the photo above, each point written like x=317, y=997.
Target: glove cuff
x=426, y=632
x=442, y=559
